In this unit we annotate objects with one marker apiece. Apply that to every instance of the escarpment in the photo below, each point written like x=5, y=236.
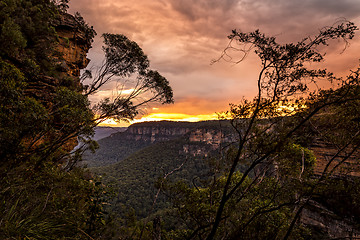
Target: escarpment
x=69, y=57
x=73, y=46
x=70, y=46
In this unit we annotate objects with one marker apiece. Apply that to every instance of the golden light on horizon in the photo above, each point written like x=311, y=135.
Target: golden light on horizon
x=177, y=117
x=180, y=117
x=283, y=110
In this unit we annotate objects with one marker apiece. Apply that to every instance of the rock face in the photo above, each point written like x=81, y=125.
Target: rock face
x=201, y=132
x=215, y=136
x=73, y=46
x=326, y=154
x=155, y=133
x=326, y=222
x=69, y=56
x=194, y=139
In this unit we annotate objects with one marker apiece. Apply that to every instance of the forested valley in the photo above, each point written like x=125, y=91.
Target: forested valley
x=283, y=165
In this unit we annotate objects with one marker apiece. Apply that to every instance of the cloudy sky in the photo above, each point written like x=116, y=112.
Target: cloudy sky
x=181, y=37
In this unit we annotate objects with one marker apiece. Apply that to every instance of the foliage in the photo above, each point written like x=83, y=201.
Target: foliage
x=136, y=175
x=112, y=150
x=27, y=34
x=88, y=30
x=63, y=5
x=40, y=198
x=50, y=204
x=243, y=215
x=44, y=194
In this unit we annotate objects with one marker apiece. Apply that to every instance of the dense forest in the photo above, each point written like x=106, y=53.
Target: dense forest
x=288, y=169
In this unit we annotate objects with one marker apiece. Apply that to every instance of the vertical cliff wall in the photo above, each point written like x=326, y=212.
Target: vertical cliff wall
x=69, y=56
x=73, y=46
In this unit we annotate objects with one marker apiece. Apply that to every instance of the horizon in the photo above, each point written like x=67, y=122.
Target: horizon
x=153, y=118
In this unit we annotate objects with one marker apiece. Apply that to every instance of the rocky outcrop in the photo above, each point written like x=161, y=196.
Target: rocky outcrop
x=155, y=133
x=326, y=223
x=211, y=136
x=214, y=135
x=328, y=156
x=201, y=138
x=68, y=58
x=73, y=46
x=201, y=132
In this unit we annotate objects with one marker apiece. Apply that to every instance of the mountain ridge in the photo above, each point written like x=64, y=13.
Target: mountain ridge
x=120, y=145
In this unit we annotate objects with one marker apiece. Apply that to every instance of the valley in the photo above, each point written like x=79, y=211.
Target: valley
x=135, y=162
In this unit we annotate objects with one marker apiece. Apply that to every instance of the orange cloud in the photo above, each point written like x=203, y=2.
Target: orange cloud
x=182, y=37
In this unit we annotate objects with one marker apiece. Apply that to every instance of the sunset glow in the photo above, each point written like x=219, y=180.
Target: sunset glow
x=161, y=117
x=181, y=38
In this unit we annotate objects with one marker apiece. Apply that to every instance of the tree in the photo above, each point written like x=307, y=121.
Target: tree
x=44, y=194
x=125, y=59
x=274, y=131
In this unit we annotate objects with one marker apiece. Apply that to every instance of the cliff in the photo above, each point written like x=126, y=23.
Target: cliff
x=68, y=58
x=210, y=132
x=156, y=133
x=325, y=152
x=326, y=222
x=217, y=134
x=73, y=46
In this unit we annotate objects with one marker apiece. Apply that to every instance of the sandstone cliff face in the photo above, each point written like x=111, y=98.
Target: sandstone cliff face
x=215, y=137
x=155, y=133
x=326, y=154
x=73, y=46
x=69, y=56
x=164, y=131
x=324, y=221
x=200, y=139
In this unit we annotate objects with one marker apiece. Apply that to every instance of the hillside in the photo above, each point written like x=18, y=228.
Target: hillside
x=134, y=161
x=135, y=177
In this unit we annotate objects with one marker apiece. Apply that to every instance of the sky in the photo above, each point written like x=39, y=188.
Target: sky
x=182, y=37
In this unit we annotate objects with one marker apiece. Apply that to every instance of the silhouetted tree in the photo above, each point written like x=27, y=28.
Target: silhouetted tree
x=127, y=65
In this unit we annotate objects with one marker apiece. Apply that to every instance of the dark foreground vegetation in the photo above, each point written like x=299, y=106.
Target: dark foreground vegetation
x=44, y=108
x=261, y=186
